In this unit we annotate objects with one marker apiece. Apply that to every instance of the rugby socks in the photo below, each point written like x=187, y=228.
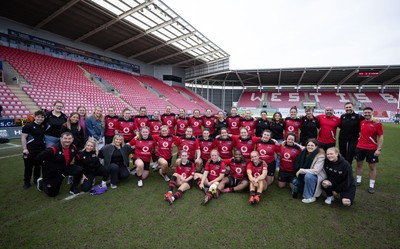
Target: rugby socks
x=372, y=183
x=252, y=192
x=177, y=195
x=172, y=183
x=358, y=179
x=139, y=177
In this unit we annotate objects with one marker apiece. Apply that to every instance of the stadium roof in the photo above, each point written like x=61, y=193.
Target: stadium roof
x=353, y=77
x=146, y=30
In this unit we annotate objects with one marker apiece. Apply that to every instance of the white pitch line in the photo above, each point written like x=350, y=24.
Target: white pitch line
x=68, y=198
x=11, y=146
x=4, y=157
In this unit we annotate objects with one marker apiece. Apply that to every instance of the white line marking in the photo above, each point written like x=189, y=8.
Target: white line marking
x=10, y=146
x=4, y=157
x=68, y=198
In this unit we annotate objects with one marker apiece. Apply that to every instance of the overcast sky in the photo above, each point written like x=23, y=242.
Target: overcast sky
x=293, y=33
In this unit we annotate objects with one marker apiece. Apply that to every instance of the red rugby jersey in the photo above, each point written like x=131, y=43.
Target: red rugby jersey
x=369, y=132
x=215, y=169
x=195, y=123
x=288, y=156
x=164, y=145
x=181, y=125
x=111, y=123
x=185, y=170
x=328, y=127
x=206, y=147
x=126, y=128
x=208, y=122
x=187, y=144
x=233, y=124
x=141, y=121
x=143, y=148
x=293, y=125
x=257, y=170
x=249, y=124
x=246, y=146
x=266, y=150
x=224, y=147
x=237, y=170
x=154, y=126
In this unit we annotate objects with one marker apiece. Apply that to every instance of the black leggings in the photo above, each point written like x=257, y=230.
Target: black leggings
x=100, y=171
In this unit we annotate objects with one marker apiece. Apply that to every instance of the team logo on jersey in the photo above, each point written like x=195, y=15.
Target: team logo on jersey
x=257, y=174
x=196, y=124
x=169, y=122
x=183, y=175
x=145, y=149
x=205, y=149
x=185, y=148
x=165, y=144
x=244, y=149
x=263, y=152
x=156, y=128
x=290, y=128
x=247, y=128
x=142, y=124
x=286, y=155
x=208, y=122
x=213, y=173
x=224, y=148
x=234, y=124
x=126, y=130
x=110, y=125
x=238, y=171
x=182, y=126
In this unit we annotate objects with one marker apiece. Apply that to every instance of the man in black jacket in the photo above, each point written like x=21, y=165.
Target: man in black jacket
x=349, y=132
x=58, y=163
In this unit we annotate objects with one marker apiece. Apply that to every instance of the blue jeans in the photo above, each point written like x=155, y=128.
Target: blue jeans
x=50, y=140
x=310, y=184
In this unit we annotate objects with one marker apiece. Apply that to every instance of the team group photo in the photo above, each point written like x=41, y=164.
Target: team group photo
x=199, y=124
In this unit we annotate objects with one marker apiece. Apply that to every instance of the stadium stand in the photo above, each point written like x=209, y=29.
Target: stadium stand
x=12, y=105
x=251, y=99
x=336, y=100
x=285, y=99
x=56, y=79
x=271, y=99
x=130, y=89
x=172, y=95
x=196, y=98
x=381, y=102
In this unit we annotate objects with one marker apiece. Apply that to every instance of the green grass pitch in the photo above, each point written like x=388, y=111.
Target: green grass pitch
x=132, y=217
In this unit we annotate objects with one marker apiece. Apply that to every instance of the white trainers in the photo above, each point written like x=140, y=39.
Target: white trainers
x=155, y=165
x=140, y=183
x=329, y=200
x=39, y=184
x=308, y=200
x=113, y=186
x=70, y=180
x=166, y=178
